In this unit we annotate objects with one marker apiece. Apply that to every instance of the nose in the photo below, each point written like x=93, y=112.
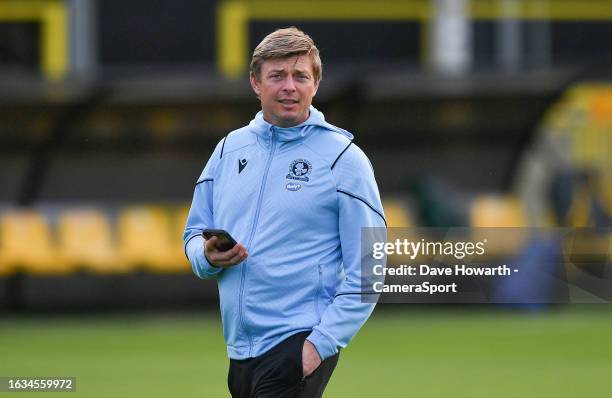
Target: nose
x=289, y=84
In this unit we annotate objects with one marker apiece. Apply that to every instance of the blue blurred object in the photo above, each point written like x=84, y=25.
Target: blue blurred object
x=541, y=278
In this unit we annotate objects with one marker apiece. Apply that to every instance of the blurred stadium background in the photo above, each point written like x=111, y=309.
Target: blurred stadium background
x=474, y=113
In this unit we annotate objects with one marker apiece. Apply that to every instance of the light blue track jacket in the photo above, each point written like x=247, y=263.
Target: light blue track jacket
x=297, y=198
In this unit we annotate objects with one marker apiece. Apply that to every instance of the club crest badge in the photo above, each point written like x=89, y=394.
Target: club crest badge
x=299, y=170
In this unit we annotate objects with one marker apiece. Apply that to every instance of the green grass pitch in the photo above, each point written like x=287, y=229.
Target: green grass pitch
x=401, y=352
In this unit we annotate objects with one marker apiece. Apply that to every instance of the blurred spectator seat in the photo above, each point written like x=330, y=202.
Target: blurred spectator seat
x=84, y=238
x=501, y=221
x=26, y=243
x=396, y=213
x=145, y=239
x=497, y=211
x=397, y=216
x=180, y=220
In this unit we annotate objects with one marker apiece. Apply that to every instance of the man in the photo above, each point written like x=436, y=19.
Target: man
x=295, y=192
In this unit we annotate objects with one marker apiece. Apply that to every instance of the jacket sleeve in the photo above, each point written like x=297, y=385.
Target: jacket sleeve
x=359, y=207
x=201, y=217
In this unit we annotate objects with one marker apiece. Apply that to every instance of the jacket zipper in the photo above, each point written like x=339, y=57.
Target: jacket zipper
x=319, y=290
x=255, y=221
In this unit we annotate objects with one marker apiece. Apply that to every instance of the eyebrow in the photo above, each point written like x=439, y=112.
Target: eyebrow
x=282, y=70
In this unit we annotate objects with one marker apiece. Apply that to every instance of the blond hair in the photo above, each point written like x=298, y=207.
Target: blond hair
x=284, y=43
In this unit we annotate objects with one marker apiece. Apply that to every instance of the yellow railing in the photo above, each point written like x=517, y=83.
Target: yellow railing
x=233, y=17
x=52, y=16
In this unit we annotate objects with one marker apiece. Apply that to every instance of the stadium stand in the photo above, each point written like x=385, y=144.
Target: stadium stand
x=143, y=237
x=145, y=240
x=85, y=240
x=27, y=244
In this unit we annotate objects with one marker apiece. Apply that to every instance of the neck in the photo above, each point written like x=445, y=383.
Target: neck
x=285, y=123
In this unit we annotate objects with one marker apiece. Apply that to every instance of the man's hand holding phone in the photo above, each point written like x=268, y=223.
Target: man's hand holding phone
x=221, y=250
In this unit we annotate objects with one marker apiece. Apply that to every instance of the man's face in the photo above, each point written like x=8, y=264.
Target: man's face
x=285, y=88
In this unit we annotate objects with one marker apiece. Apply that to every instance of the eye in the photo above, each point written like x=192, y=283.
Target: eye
x=275, y=76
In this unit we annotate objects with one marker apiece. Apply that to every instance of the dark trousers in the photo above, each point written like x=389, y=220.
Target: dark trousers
x=278, y=373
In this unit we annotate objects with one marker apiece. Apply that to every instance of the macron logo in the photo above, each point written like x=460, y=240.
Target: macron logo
x=242, y=164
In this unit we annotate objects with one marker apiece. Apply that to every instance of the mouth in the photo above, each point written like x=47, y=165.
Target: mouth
x=288, y=101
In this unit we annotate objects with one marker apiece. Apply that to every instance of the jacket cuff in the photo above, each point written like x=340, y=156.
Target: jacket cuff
x=199, y=263
x=324, y=345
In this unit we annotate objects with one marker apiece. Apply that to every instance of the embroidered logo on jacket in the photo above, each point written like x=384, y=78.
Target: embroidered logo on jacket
x=242, y=164
x=293, y=186
x=299, y=170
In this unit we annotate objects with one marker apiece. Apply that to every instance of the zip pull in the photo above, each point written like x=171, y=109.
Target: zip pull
x=272, y=135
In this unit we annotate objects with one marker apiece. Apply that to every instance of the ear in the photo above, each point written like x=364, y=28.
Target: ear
x=254, y=84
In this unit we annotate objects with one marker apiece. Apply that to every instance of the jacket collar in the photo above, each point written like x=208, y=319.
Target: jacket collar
x=264, y=129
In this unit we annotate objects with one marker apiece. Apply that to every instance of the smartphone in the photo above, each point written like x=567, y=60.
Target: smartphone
x=225, y=240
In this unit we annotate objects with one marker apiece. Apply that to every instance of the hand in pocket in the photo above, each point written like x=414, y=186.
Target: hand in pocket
x=310, y=358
